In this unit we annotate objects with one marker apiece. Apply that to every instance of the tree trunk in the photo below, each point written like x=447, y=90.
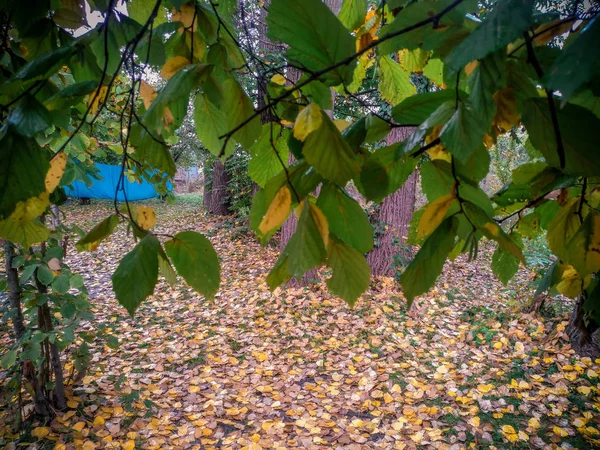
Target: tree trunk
x=584, y=339
x=394, y=216
x=218, y=192
x=14, y=291
x=289, y=227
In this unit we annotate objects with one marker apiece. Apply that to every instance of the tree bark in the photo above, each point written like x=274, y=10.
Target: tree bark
x=394, y=216
x=14, y=291
x=218, y=192
x=584, y=339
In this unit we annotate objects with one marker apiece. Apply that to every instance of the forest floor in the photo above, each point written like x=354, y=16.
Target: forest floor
x=298, y=368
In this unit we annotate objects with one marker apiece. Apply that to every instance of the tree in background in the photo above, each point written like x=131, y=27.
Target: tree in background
x=393, y=219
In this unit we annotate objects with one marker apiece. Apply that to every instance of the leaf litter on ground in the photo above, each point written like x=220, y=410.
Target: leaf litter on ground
x=298, y=368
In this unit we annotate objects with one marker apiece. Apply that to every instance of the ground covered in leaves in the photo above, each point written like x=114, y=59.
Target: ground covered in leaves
x=299, y=369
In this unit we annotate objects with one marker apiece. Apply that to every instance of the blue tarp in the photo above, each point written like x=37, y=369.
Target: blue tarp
x=105, y=188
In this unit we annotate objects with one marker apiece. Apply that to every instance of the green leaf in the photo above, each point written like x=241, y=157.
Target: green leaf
x=488, y=77
x=196, y=261
x=76, y=281
x=45, y=64
x=385, y=171
x=583, y=249
x=394, y=83
x=578, y=128
x=562, y=228
x=170, y=106
x=490, y=229
x=151, y=150
x=23, y=169
x=346, y=218
x=426, y=37
x=61, y=285
x=29, y=117
x=463, y=134
x=211, y=122
x=417, y=108
x=316, y=37
x=270, y=154
x=434, y=70
x=353, y=13
x=507, y=22
x=421, y=273
x=140, y=10
x=44, y=275
x=504, y=265
x=304, y=179
x=304, y=250
x=137, y=274
x=9, y=359
x=577, y=64
x=238, y=108
x=329, y=153
x=351, y=272
x=24, y=233
x=100, y=232
x=165, y=268
x=531, y=181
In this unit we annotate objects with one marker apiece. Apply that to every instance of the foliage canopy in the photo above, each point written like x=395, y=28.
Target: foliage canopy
x=490, y=72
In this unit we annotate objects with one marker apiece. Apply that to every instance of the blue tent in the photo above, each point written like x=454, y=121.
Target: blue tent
x=106, y=186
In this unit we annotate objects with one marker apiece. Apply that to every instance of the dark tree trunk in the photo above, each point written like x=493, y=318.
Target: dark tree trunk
x=14, y=291
x=584, y=339
x=395, y=215
x=51, y=349
x=218, y=192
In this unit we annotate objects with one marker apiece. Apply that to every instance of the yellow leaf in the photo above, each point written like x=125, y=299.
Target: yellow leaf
x=72, y=404
x=534, y=423
x=413, y=60
x=97, y=98
x=442, y=369
x=507, y=114
x=40, y=432
x=322, y=223
x=548, y=31
x=585, y=390
x=277, y=212
x=261, y=356
x=571, y=283
x=341, y=124
x=129, y=445
x=173, y=65
x=437, y=151
x=185, y=15
x=474, y=421
x=79, y=426
x=509, y=433
x=148, y=94
x=98, y=421
x=146, y=217
x=560, y=432
x=278, y=79
x=31, y=208
x=485, y=388
x=434, y=215
x=309, y=120
x=57, y=168
x=498, y=345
